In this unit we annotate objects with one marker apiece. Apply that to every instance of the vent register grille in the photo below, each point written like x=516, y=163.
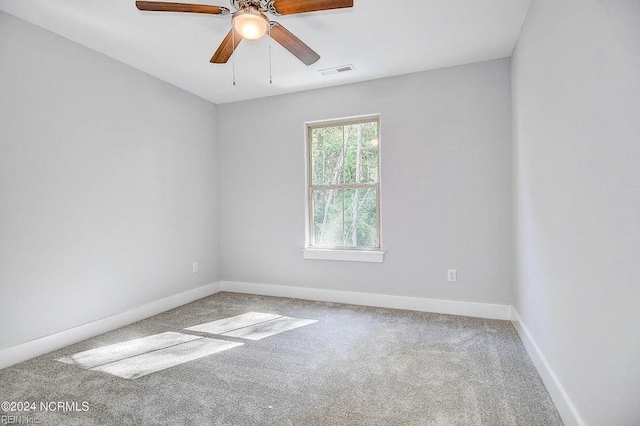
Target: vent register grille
x=337, y=70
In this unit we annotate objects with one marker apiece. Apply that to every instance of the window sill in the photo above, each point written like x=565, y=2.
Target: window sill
x=344, y=255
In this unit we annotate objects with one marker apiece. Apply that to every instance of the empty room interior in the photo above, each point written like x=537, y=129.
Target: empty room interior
x=320, y=212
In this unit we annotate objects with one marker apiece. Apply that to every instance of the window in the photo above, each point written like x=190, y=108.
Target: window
x=343, y=189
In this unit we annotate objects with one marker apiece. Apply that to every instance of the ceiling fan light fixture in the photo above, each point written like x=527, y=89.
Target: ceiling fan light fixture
x=250, y=23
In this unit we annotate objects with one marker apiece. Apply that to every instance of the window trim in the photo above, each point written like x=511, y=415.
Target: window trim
x=358, y=254
x=353, y=255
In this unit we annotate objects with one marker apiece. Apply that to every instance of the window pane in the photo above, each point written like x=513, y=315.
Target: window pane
x=361, y=218
x=328, y=223
x=361, y=162
x=327, y=155
x=345, y=217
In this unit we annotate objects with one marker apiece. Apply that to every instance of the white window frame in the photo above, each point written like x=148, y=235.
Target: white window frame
x=349, y=254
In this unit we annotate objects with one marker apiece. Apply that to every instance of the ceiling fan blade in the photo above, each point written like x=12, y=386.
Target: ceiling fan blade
x=293, y=44
x=289, y=7
x=226, y=48
x=160, y=6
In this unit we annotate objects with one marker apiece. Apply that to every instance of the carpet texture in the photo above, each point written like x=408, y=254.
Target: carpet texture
x=354, y=366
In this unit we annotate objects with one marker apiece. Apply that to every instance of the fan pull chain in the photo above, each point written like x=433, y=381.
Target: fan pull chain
x=270, y=73
x=233, y=50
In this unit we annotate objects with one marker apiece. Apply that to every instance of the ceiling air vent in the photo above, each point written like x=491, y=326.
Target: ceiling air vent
x=337, y=70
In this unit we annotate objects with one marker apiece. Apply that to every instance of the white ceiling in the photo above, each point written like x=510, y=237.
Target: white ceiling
x=380, y=38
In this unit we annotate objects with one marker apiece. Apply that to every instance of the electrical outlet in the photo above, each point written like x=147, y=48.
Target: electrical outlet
x=452, y=275
x=195, y=267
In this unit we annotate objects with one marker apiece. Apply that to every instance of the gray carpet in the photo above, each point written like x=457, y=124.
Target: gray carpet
x=354, y=366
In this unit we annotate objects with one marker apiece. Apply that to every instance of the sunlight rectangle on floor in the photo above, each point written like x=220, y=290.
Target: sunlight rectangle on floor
x=152, y=362
x=269, y=328
x=233, y=323
x=107, y=354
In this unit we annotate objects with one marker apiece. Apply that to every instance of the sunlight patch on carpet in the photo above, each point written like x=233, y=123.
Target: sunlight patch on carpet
x=152, y=362
x=269, y=328
x=233, y=323
x=107, y=354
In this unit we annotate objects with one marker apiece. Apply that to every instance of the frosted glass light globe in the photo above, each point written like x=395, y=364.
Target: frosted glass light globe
x=250, y=23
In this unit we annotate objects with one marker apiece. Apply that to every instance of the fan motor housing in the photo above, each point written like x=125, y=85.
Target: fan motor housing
x=261, y=5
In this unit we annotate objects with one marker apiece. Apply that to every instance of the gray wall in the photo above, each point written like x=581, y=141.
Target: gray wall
x=107, y=186
x=576, y=98
x=446, y=185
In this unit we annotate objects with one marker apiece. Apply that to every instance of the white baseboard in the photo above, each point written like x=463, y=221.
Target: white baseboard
x=471, y=309
x=43, y=345
x=559, y=396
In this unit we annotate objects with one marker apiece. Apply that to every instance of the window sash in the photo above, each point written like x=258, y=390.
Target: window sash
x=346, y=186
x=312, y=228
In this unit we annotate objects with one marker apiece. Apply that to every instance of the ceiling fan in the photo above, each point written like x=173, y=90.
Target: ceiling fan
x=250, y=22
